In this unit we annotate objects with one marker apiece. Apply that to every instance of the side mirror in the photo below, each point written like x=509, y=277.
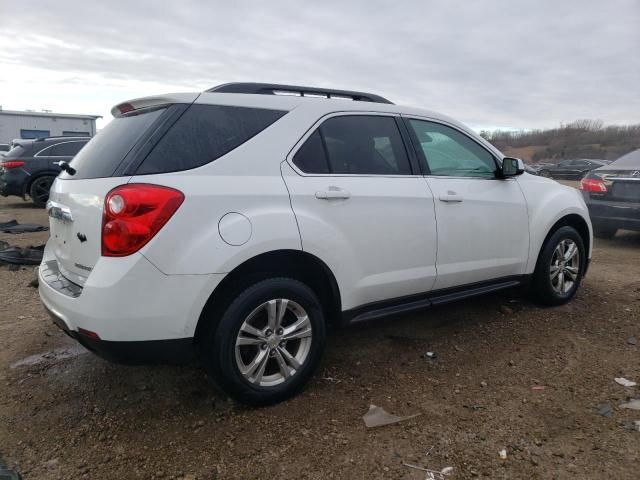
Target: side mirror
x=511, y=167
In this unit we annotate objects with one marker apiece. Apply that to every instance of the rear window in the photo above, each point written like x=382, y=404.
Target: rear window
x=103, y=154
x=204, y=133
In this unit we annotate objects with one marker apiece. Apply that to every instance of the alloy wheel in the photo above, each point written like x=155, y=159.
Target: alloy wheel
x=273, y=342
x=565, y=266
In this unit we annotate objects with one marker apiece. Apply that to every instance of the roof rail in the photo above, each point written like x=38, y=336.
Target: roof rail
x=277, y=89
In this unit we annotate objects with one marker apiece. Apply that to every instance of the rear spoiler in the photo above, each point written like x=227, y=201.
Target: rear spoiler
x=152, y=102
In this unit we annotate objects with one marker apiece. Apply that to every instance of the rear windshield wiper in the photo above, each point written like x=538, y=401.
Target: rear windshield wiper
x=66, y=167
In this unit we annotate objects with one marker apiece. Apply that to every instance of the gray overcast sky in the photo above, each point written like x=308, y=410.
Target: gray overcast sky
x=488, y=63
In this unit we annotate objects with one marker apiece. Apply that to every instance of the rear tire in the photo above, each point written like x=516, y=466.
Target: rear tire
x=560, y=267
x=604, y=232
x=261, y=363
x=39, y=190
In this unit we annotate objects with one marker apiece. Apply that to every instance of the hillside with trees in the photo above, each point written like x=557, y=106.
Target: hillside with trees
x=579, y=139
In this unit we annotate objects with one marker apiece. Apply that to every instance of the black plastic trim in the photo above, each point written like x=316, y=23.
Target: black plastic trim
x=177, y=351
x=271, y=88
x=421, y=301
x=149, y=139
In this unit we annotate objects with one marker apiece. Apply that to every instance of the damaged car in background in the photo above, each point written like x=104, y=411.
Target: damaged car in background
x=612, y=194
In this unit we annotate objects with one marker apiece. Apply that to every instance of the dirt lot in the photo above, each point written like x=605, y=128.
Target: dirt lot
x=70, y=414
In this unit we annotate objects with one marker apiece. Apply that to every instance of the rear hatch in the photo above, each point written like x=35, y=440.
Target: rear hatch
x=76, y=201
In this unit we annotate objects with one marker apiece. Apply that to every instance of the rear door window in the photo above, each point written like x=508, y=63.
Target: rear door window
x=203, y=134
x=355, y=145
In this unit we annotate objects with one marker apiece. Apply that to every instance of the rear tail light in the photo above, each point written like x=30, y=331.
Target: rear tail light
x=9, y=164
x=594, y=185
x=133, y=214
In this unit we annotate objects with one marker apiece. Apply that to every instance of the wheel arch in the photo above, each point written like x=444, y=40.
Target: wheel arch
x=296, y=264
x=571, y=220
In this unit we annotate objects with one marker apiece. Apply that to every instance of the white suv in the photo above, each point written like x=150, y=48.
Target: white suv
x=237, y=224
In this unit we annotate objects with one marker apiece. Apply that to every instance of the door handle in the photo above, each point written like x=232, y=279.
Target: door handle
x=450, y=197
x=333, y=193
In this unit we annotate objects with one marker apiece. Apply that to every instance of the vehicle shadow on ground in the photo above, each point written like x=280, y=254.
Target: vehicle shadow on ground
x=102, y=388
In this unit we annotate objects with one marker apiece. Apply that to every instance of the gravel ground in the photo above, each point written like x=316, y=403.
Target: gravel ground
x=507, y=375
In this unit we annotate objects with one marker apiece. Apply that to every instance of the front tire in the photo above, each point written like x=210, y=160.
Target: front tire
x=545, y=173
x=268, y=342
x=560, y=267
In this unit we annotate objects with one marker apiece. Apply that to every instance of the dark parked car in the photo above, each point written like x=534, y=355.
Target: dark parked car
x=612, y=194
x=570, y=169
x=30, y=167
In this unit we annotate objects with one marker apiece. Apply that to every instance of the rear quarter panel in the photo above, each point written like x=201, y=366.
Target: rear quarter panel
x=246, y=180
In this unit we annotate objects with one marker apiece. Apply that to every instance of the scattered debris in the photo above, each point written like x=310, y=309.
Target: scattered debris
x=633, y=425
x=378, y=417
x=483, y=384
x=538, y=388
x=431, y=474
x=604, y=409
x=430, y=355
x=331, y=379
x=632, y=341
x=503, y=454
x=12, y=226
x=506, y=310
x=22, y=256
x=624, y=382
x=633, y=404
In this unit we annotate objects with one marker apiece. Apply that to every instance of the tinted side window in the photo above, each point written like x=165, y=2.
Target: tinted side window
x=204, y=133
x=311, y=158
x=355, y=145
x=102, y=155
x=365, y=145
x=66, y=149
x=451, y=153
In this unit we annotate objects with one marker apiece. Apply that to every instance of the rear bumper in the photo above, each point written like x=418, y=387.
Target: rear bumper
x=137, y=313
x=176, y=351
x=624, y=215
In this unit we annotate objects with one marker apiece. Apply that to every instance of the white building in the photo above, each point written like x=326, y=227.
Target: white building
x=16, y=124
